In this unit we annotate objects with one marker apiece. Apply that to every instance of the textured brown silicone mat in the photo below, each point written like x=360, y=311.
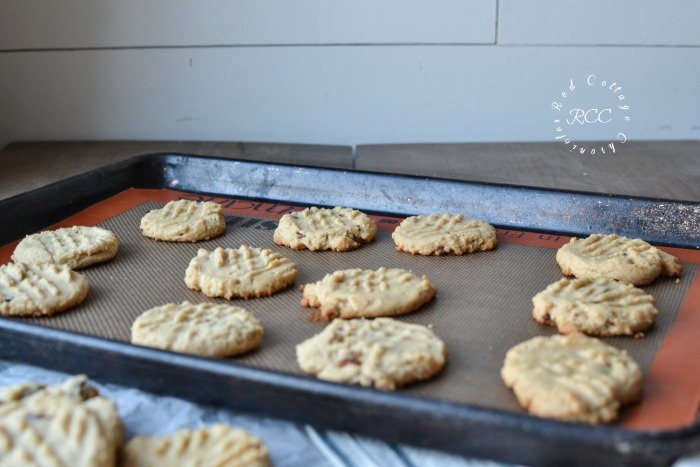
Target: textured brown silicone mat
x=482, y=307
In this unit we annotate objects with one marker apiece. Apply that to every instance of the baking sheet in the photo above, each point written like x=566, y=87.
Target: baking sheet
x=402, y=416
x=483, y=306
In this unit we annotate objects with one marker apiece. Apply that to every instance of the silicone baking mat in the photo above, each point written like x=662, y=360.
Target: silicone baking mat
x=483, y=305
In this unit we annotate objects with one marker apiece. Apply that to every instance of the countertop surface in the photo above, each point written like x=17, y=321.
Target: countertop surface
x=654, y=169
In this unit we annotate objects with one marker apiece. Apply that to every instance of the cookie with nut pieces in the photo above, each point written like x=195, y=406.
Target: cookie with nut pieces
x=383, y=353
x=337, y=229
x=596, y=307
x=64, y=425
x=40, y=289
x=205, y=329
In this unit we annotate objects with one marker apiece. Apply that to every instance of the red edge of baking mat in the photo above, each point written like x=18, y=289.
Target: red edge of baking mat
x=672, y=384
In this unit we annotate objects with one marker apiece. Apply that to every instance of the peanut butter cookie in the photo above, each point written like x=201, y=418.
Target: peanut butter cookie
x=357, y=293
x=597, y=307
x=613, y=257
x=39, y=289
x=216, y=445
x=444, y=234
x=67, y=425
x=184, y=221
x=76, y=247
x=573, y=377
x=244, y=272
x=205, y=329
x=382, y=353
x=337, y=229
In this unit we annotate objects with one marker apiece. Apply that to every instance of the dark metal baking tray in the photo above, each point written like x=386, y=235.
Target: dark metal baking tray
x=394, y=417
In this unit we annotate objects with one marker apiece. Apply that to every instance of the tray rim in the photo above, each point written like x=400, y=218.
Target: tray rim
x=156, y=170
x=656, y=446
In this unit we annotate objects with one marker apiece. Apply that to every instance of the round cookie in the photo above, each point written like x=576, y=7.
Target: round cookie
x=206, y=329
x=382, y=353
x=184, y=221
x=597, y=307
x=76, y=247
x=39, y=289
x=444, y=234
x=337, y=229
x=613, y=257
x=572, y=377
x=670, y=267
x=357, y=293
x=245, y=272
x=67, y=425
x=216, y=445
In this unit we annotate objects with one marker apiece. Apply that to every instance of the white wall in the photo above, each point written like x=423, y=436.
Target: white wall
x=346, y=72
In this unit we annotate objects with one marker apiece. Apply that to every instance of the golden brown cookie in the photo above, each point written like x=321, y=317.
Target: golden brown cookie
x=670, y=267
x=39, y=289
x=444, y=234
x=184, y=221
x=76, y=247
x=244, y=272
x=337, y=229
x=382, y=353
x=572, y=377
x=67, y=425
x=216, y=445
x=613, y=257
x=597, y=307
x=206, y=329
x=357, y=293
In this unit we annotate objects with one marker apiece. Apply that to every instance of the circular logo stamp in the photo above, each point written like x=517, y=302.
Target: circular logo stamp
x=585, y=106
